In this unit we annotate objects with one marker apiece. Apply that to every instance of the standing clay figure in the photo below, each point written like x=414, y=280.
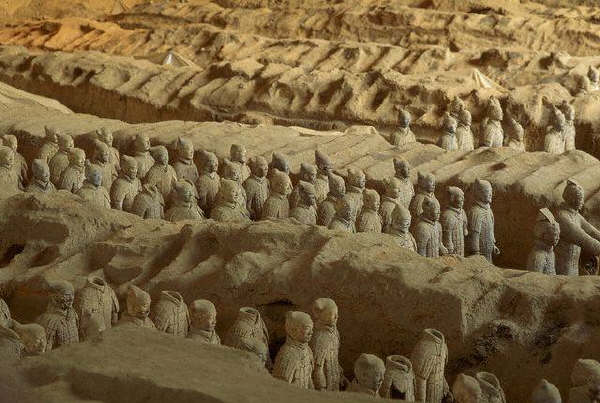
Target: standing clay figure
x=72, y=178
x=184, y=166
x=127, y=185
x=102, y=162
x=60, y=319
x=33, y=337
x=229, y=206
x=554, y=142
x=308, y=173
x=208, y=183
x=403, y=135
x=11, y=347
x=515, y=140
x=569, y=114
x=50, y=145
x=464, y=133
x=406, y=190
x=481, y=239
x=491, y=126
x=585, y=379
x=149, y=203
x=19, y=165
x=429, y=359
x=448, y=140
x=171, y=314
x=97, y=298
x=257, y=187
x=184, y=204
x=60, y=161
x=277, y=205
x=324, y=168
x=138, y=308
x=454, y=223
x=325, y=345
x=327, y=209
x=576, y=233
x=305, y=211
x=355, y=186
x=294, y=362
x=40, y=182
x=105, y=135
x=280, y=163
x=546, y=233
x=237, y=155
x=141, y=147
x=389, y=201
x=9, y=179
x=425, y=190
x=593, y=76
x=428, y=232
x=369, y=371
x=369, y=219
x=92, y=190
x=399, y=379
x=400, y=228
x=545, y=392
x=203, y=319
x=162, y=175
x=249, y=333
x=231, y=171
x=345, y=216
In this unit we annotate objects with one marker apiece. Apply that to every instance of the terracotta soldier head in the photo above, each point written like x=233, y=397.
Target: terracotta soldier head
x=93, y=175
x=141, y=143
x=573, y=195
x=210, y=162
x=308, y=173
x=401, y=168
x=568, y=111
x=494, y=110
x=184, y=192
x=449, y=125
x=105, y=135
x=299, y=326
x=356, y=178
x=426, y=182
x=369, y=371
x=483, y=191
x=228, y=191
x=401, y=219
x=259, y=166
x=545, y=392
x=77, y=158
x=456, y=197
x=129, y=167
x=464, y=118
x=372, y=200
x=101, y=152
x=40, y=171
x=307, y=193
x=185, y=149
x=51, y=135
x=392, y=190
x=203, y=315
x=431, y=209
x=231, y=171
x=404, y=118
x=280, y=183
x=160, y=155
x=138, y=302
x=546, y=228
x=558, y=119
x=279, y=162
x=33, y=337
x=337, y=186
x=7, y=157
x=593, y=74
x=325, y=312
x=237, y=153
x=62, y=295
x=323, y=162
x=65, y=142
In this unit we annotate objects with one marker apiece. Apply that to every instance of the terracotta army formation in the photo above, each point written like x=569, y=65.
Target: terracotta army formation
x=403, y=134
x=257, y=187
x=399, y=379
x=554, y=142
x=355, y=186
x=428, y=231
x=454, y=223
x=149, y=203
x=203, y=319
x=101, y=161
x=369, y=371
x=294, y=362
x=231, y=206
x=237, y=155
x=141, y=149
x=406, y=190
x=184, y=166
x=369, y=219
x=425, y=190
x=429, y=358
x=9, y=179
x=162, y=175
x=19, y=165
x=324, y=169
x=105, y=136
x=447, y=140
x=345, y=216
x=184, y=204
x=327, y=209
x=40, y=181
x=50, y=145
x=249, y=333
x=208, y=182
x=308, y=174
x=171, y=314
x=96, y=299
x=60, y=161
x=126, y=186
x=305, y=210
x=491, y=126
x=73, y=176
x=546, y=232
x=464, y=134
x=138, y=308
x=277, y=204
x=60, y=319
x=92, y=190
x=481, y=239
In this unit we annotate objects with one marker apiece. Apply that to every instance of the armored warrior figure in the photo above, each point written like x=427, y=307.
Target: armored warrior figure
x=33, y=337
x=576, y=233
x=456, y=106
x=257, y=187
x=280, y=163
x=466, y=389
x=402, y=179
x=208, y=183
x=403, y=135
x=308, y=173
x=149, y=203
x=493, y=134
x=60, y=319
x=50, y=145
x=369, y=371
x=60, y=161
x=369, y=219
x=585, y=379
x=171, y=314
x=429, y=359
x=325, y=344
x=305, y=211
x=400, y=228
x=389, y=202
x=425, y=190
x=19, y=165
x=102, y=162
x=345, y=216
x=515, y=140
x=231, y=172
x=569, y=114
x=11, y=347
x=9, y=179
x=162, y=175
x=355, y=186
x=249, y=333
x=428, y=232
x=237, y=155
x=327, y=209
x=92, y=190
x=127, y=185
x=184, y=166
x=454, y=223
x=203, y=315
x=324, y=169
x=72, y=178
x=97, y=298
x=545, y=392
x=40, y=183
x=229, y=207
x=464, y=133
x=554, y=142
x=448, y=140
x=546, y=233
x=105, y=135
x=481, y=239
x=593, y=76
x=399, y=379
x=138, y=308
x=294, y=362
x=277, y=205
x=184, y=204
x=141, y=147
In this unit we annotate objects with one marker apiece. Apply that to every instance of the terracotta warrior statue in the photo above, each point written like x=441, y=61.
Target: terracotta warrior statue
x=230, y=205
x=400, y=228
x=138, y=308
x=277, y=204
x=491, y=126
x=203, y=316
x=324, y=168
x=545, y=392
x=126, y=186
x=280, y=163
x=569, y=113
x=369, y=371
x=162, y=175
x=399, y=379
x=257, y=187
x=20, y=165
x=171, y=314
x=516, y=134
x=249, y=333
x=456, y=106
x=184, y=204
x=9, y=179
x=429, y=359
x=447, y=140
x=102, y=162
x=483, y=387
x=141, y=148
x=389, y=201
x=369, y=219
x=11, y=347
x=306, y=210
x=60, y=161
x=425, y=190
x=428, y=232
x=402, y=179
x=345, y=216
x=33, y=337
x=481, y=239
x=546, y=233
x=237, y=155
x=554, y=142
x=576, y=233
x=50, y=145
x=308, y=173
x=294, y=362
x=593, y=76
x=403, y=135
x=325, y=344
x=40, y=182
x=585, y=379
x=327, y=209
x=149, y=203
x=60, y=319
x=97, y=298
x=454, y=223
x=208, y=182
x=231, y=171
x=355, y=186
x=92, y=190
x=73, y=176
x=464, y=133
x=105, y=135
x=184, y=167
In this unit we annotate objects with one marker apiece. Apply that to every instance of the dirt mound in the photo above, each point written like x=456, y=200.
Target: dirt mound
x=37, y=9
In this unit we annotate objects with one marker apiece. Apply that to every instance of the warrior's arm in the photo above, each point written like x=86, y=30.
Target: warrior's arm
x=578, y=234
x=590, y=229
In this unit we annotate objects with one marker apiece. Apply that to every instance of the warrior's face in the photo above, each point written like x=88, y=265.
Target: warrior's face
x=104, y=156
x=186, y=151
x=131, y=171
x=64, y=300
x=95, y=178
x=162, y=158
x=142, y=143
x=303, y=332
x=429, y=184
x=205, y=320
x=141, y=310
x=458, y=200
x=324, y=168
x=261, y=168
x=552, y=234
x=239, y=155
x=42, y=174
x=186, y=195
x=402, y=170
x=402, y=225
x=329, y=316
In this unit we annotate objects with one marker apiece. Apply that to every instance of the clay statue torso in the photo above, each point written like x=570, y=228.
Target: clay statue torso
x=481, y=230
x=429, y=359
x=186, y=170
x=407, y=191
x=184, y=212
x=464, y=138
x=454, y=227
x=123, y=192
x=321, y=188
x=257, y=192
x=385, y=211
x=448, y=142
x=37, y=187
x=326, y=211
x=144, y=323
x=402, y=136
x=493, y=134
x=57, y=165
x=575, y=232
x=72, y=179
x=369, y=221
x=405, y=240
x=428, y=235
x=554, y=142
x=207, y=187
x=294, y=364
x=150, y=206
x=541, y=258
x=98, y=196
x=100, y=299
x=305, y=214
x=276, y=206
x=163, y=177
x=145, y=162
x=61, y=327
x=325, y=344
x=204, y=336
x=171, y=314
